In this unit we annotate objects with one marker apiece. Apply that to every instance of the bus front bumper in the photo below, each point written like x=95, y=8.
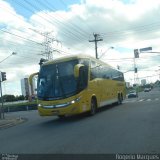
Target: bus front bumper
x=69, y=110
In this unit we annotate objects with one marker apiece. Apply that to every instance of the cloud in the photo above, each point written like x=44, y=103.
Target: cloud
x=126, y=26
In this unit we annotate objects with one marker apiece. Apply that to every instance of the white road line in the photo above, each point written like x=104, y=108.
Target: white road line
x=141, y=100
x=131, y=101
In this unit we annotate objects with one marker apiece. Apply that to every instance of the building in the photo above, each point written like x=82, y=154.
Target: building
x=26, y=88
x=26, y=91
x=143, y=82
x=128, y=84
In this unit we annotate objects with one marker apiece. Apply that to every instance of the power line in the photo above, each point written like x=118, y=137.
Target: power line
x=72, y=25
x=71, y=34
x=81, y=19
x=110, y=35
x=19, y=36
x=125, y=33
x=133, y=28
x=46, y=18
x=13, y=44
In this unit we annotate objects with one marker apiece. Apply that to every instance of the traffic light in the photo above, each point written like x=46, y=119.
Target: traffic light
x=135, y=70
x=136, y=53
x=42, y=60
x=3, y=75
x=118, y=67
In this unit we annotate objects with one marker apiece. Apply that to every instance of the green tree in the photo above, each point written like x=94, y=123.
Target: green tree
x=9, y=98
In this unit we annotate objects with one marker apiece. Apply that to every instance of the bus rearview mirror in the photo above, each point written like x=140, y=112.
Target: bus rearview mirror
x=77, y=70
x=31, y=78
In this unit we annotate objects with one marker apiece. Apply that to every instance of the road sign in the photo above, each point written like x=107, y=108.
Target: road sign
x=3, y=74
x=146, y=49
x=135, y=70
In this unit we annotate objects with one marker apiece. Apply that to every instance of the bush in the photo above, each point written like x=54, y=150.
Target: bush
x=12, y=98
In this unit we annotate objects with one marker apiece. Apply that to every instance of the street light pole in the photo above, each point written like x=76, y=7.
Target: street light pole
x=13, y=53
x=105, y=52
x=3, y=78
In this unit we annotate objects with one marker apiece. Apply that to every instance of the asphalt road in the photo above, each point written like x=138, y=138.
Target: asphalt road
x=132, y=127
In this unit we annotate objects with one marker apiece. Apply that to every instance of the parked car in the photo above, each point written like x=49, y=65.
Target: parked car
x=132, y=94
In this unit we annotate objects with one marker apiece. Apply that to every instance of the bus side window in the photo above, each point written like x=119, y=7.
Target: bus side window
x=106, y=73
x=92, y=73
x=85, y=62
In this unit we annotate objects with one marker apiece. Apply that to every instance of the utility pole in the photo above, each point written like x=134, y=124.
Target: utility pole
x=96, y=39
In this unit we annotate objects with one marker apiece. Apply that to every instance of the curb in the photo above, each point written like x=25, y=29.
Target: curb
x=6, y=123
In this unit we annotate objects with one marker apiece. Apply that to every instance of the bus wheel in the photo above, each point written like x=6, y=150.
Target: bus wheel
x=93, y=107
x=61, y=116
x=119, y=99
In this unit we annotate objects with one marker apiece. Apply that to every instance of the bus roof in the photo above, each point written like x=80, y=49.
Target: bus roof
x=67, y=58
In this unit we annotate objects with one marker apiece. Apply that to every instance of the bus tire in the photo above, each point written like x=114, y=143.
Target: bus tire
x=61, y=116
x=93, y=106
x=119, y=99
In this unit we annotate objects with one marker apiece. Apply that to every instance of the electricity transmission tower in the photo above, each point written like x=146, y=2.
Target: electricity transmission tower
x=48, y=41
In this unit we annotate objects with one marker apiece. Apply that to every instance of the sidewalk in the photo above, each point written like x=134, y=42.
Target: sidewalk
x=9, y=122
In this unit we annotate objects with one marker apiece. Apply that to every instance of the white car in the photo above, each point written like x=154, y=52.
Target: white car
x=132, y=94
x=147, y=89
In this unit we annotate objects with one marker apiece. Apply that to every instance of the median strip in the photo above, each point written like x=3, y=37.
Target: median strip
x=5, y=123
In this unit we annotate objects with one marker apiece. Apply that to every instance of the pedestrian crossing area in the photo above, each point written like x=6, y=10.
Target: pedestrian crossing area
x=141, y=100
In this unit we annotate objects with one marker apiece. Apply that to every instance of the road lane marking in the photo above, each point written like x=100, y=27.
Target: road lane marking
x=141, y=100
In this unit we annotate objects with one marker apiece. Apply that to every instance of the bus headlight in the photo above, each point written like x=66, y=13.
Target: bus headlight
x=39, y=105
x=62, y=105
x=75, y=100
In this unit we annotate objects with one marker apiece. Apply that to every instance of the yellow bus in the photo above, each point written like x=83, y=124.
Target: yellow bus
x=77, y=84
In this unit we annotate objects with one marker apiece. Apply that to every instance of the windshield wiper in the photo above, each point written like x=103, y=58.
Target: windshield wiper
x=60, y=81
x=62, y=88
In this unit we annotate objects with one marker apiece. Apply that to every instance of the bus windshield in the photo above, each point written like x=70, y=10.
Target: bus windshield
x=57, y=81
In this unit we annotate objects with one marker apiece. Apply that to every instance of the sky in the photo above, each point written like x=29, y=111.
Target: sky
x=68, y=25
